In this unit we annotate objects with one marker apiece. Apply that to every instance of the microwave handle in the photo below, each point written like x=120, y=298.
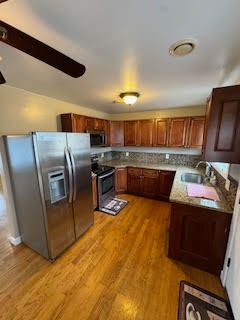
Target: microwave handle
x=106, y=175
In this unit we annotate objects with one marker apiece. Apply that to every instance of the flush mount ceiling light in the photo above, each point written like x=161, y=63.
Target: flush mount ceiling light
x=129, y=97
x=182, y=48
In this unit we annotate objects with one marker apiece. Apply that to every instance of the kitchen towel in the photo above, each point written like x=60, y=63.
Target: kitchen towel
x=200, y=191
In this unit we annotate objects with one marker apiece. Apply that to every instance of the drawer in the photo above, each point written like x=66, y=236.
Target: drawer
x=135, y=171
x=150, y=173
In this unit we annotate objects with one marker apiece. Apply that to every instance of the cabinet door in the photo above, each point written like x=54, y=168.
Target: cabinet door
x=146, y=132
x=117, y=133
x=89, y=123
x=149, y=183
x=94, y=192
x=160, y=134
x=196, y=130
x=79, y=123
x=222, y=138
x=198, y=237
x=165, y=184
x=131, y=133
x=121, y=180
x=107, y=132
x=72, y=122
x=134, y=181
x=98, y=124
x=177, y=132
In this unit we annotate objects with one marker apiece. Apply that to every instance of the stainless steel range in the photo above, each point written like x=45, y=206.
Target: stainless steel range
x=105, y=182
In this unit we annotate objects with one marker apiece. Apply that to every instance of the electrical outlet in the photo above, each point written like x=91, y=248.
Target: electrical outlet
x=102, y=155
x=127, y=154
x=227, y=184
x=167, y=155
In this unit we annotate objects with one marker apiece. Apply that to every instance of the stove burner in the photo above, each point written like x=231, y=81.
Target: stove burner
x=100, y=169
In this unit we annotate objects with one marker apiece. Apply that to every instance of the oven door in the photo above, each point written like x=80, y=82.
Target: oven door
x=106, y=188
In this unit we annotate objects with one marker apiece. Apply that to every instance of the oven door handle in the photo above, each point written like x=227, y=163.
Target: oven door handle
x=106, y=175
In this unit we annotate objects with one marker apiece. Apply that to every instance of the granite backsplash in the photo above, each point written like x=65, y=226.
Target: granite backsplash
x=230, y=195
x=175, y=159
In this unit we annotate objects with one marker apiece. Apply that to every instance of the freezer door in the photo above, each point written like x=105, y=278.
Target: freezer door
x=79, y=148
x=55, y=174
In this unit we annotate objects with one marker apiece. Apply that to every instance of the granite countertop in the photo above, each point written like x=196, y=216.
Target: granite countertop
x=179, y=188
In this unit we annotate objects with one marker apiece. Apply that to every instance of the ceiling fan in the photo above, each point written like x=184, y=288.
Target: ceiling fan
x=39, y=50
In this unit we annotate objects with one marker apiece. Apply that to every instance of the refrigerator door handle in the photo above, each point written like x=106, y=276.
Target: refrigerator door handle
x=74, y=174
x=70, y=174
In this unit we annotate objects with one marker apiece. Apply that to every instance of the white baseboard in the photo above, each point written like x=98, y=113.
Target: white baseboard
x=15, y=241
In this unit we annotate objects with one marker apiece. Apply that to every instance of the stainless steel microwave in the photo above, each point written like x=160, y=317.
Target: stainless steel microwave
x=97, y=138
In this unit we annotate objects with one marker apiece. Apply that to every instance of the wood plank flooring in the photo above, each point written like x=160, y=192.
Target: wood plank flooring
x=117, y=270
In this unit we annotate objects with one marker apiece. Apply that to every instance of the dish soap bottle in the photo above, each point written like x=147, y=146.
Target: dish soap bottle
x=213, y=179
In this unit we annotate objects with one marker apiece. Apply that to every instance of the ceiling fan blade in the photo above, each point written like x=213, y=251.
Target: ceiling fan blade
x=2, y=79
x=40, y=50
x=3, y=1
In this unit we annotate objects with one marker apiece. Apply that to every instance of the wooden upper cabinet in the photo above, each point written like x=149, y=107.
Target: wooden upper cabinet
x=131, y=133
x=99, y=124
x=117, y=133
x=89, y=123
x=196, y=131
x=94, y=123
x=222, y=138
x=146, y=132
x=178, y=132
x=160, y=133
x=73, y=122
x=106, y=130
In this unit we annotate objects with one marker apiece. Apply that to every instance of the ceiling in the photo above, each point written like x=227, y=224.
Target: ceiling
x=124, y=46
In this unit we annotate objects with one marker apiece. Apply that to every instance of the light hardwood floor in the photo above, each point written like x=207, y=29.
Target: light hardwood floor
x=117, y=270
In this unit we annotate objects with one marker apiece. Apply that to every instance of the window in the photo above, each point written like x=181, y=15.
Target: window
x=222, y=168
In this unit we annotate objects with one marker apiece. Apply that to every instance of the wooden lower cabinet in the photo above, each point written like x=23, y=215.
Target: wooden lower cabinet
x=150, y=183
x=121, y=180
x=134, y=181
x=94, y=192
x=198, y=237
x=165, y=184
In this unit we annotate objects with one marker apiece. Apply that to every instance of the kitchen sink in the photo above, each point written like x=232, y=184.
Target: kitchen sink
x=192, y=177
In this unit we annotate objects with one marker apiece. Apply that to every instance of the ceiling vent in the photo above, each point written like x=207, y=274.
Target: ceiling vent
x=182, y=48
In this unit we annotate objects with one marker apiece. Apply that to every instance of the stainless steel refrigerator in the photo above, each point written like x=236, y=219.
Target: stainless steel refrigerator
x=51, y=180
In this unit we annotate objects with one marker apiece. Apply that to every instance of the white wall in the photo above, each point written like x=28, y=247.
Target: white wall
x=234, y=171
x=22, y=111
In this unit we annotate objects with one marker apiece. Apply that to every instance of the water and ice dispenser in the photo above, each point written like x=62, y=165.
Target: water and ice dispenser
x=57, y=186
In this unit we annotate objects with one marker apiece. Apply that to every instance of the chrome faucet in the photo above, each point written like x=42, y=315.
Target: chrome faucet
x=208, y=167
